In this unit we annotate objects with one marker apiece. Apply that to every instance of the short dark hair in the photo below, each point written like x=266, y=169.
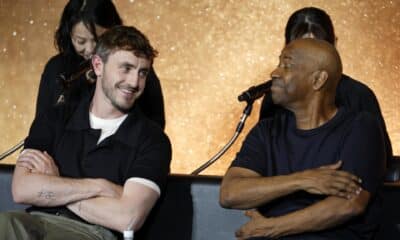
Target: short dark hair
x=124, y=38
x=91, y=12
x=310, y=20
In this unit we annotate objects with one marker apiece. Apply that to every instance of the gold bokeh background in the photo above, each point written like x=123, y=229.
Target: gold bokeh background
x=210, y=51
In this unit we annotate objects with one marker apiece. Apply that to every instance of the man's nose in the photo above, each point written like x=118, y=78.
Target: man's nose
x=133, y=79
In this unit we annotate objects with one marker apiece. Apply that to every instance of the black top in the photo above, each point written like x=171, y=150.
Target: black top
x=139, y=148
x=276, y=147
x=351, y=94
x=51, y=87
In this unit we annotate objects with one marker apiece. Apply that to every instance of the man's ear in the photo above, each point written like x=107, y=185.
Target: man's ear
x=319, y=79
x=98, y=65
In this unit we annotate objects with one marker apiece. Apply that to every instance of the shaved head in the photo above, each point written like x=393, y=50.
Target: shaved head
x=322, y=55
x=308, y=69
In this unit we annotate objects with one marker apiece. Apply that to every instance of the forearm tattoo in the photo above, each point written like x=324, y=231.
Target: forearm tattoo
x=48, y=195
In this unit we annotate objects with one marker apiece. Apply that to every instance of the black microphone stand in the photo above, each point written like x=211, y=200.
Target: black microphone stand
x=12, y=150
x=239, y=128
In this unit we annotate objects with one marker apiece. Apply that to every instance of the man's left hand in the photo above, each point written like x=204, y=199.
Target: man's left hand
x=258, y=226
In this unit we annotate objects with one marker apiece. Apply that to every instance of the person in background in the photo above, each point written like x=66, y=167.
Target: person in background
x=97, y=170
x=311, y=22
x=64, y=79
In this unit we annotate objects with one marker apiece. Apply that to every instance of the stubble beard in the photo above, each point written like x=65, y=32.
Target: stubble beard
x=109, y=92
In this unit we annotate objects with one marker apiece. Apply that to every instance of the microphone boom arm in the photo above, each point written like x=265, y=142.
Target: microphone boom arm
x=12, y=150
x=239, y=128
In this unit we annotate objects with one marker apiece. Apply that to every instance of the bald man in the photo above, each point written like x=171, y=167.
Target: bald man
x=314, y=171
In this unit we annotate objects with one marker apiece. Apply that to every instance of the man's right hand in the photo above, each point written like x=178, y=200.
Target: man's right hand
x=329, y=180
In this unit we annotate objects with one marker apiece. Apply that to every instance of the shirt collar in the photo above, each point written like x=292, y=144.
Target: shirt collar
x=80, y=121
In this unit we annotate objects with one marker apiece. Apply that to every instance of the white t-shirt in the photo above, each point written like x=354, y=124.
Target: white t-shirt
x=107, y=126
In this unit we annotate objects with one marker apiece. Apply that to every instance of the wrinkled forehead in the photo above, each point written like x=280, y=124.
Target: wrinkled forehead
x=306, y=50
x=293, y=52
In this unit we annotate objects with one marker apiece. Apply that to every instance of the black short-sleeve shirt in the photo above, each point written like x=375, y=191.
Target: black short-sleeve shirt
x=276, y=147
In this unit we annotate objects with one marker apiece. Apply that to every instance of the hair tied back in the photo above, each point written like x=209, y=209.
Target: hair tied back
x=83, y=6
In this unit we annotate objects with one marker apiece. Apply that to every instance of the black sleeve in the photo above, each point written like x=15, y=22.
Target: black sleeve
x=252, y=153
x=151, y=102
x=153, y=158
x=371, y=105
x=41, y=134
x=363, y=152
x=49, y=87
x=359, y=97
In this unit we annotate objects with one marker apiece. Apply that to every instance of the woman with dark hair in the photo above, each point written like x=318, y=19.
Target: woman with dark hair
x=66, y=77
x=310, y=22
x=313, y=22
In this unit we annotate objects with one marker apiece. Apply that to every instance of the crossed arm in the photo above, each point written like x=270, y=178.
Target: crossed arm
x=244, y=189
x=36, y=181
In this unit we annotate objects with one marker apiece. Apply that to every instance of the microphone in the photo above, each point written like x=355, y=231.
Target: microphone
x=255, y=92
x=84, y=69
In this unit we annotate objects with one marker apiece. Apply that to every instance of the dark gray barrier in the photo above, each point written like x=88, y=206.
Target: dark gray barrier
x=189, y=209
